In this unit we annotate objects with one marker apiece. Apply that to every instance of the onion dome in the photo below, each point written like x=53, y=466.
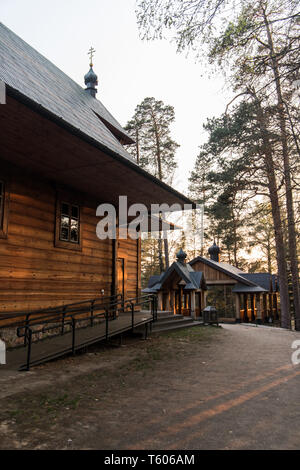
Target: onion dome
x=181, y=255
x=91, y=81
x=214, y=252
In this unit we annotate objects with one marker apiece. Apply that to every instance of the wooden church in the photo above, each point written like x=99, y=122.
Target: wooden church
x=61, y=155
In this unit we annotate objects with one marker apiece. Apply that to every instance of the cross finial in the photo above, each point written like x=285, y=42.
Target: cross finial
x=91, y=54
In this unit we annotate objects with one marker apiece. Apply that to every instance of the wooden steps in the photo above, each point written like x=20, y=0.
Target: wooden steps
x=167, y=321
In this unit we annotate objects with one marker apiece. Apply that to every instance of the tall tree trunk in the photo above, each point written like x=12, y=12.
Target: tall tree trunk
x=287, y=176
x=269, y=255
x=235, y=247
x=160, y=253
x=166, y=246
x=276, y=215
x=157, y=142
x=160, y=176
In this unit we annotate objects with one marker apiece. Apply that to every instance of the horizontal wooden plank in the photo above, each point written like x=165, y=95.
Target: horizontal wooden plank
x=36, y=264
x=17, y=274
x=27, y=254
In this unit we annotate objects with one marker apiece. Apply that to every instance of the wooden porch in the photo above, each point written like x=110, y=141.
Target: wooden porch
x=181, y=303
x=260, y=308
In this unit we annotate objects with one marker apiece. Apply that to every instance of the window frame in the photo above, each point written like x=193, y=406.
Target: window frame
x=4, y=206
x=59, y=242
x=2, y=195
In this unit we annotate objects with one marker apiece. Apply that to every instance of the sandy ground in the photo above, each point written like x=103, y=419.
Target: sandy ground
x=233, y=387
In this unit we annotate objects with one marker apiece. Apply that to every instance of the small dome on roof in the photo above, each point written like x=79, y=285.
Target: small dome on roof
x=181, y=255
x=91, y=81
x=91, y=77
x=214, y=252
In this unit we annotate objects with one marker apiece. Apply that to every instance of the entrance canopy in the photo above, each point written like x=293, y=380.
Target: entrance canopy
x=180, y=275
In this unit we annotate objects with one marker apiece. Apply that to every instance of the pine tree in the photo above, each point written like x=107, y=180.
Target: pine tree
x=242, y=147
x=259, y=48
x=155, y=150
x=262, y=236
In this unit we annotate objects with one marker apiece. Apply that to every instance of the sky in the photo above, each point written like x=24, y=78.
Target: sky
x=128, y=68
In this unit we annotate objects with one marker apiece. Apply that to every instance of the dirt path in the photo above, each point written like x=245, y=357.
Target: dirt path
x=201, y=388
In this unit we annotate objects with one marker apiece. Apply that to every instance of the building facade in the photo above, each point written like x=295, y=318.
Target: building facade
x=237, y=296
x=61, y=155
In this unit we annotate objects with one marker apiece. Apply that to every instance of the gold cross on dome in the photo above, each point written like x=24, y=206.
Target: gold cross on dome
x=91, y=54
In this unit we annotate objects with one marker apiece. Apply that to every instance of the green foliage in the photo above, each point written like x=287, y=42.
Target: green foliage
x=150, y=260
x=227, y=160
x=262, y=236
x=236, y=33
x=151, y=128
x=190, y=22
x=154, y=151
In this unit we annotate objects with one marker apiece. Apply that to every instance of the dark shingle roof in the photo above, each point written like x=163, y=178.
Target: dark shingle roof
x=31, y=74
x=194, y=280
x=197, y=281
x=154, y=280
x=264, y=280
x=242, y=288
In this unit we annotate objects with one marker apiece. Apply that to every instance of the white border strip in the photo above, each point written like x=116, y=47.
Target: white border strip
x=2, y=92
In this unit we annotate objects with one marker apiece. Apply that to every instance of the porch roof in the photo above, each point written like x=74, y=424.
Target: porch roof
x=243, y=289
x=193, y=280
x=265, y=280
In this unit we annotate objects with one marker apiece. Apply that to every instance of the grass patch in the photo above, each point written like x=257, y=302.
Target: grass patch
x=144, y=358
x=39, y=406
x=56, y=402
x=197, y=333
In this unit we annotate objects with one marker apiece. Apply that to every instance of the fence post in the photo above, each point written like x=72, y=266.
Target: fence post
x=106, y=324
x=122, y=303
x=73, y=334
x=132, y=315
x=155, y=304
x=92, y=312
x=63, y=320
x=152, y=307
x=26, y=325
x=28, y=335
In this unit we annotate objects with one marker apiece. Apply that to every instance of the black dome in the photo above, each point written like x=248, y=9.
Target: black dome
x=214, y=252
x=91, y=81
x=91, y=77
x=181, y=255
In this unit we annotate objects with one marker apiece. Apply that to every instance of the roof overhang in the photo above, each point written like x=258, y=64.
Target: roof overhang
x=123, y=137
x=243, y=289
x=36, y=139
x=153, y=224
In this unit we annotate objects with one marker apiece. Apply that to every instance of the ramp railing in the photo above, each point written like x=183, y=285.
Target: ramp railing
x=69, y=318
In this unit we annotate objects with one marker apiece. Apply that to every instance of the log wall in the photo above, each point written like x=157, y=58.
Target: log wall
x=34, y=273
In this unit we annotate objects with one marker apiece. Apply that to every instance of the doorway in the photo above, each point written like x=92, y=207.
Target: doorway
x=121, y=276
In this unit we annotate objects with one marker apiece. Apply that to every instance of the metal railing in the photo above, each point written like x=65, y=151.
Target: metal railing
x=86, y=305
x=58, y=318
